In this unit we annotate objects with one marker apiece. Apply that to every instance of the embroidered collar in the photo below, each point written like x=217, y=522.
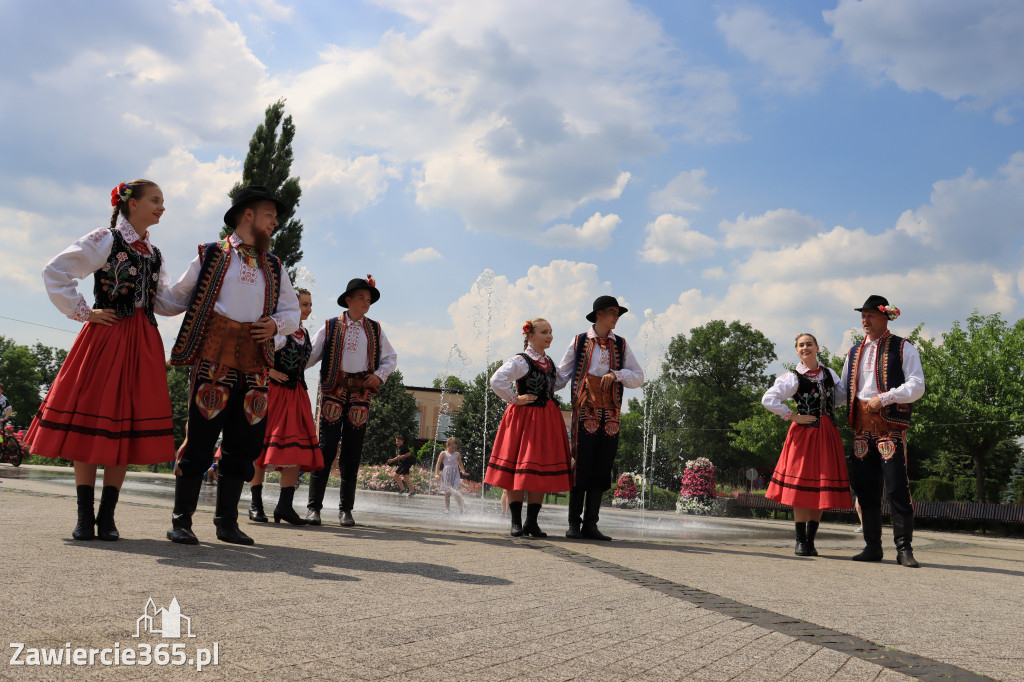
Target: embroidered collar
x=140, y=244
x=872, y=343
x=299, y=333
x=234, y=240
x=534, y=354
x=804, y=369
x=591, y=334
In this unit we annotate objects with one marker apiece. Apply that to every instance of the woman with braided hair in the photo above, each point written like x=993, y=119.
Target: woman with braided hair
x=109, y=404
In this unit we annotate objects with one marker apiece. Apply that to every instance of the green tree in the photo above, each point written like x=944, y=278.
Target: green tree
x=468, y=424
x=268, y=163
x=178, y=386
x=451, y=383
x=48, y=362
x=392, y=411
x=21, y=379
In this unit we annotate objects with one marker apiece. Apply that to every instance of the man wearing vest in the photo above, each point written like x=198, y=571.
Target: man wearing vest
x=235, y=296
x=600, y=365
x=356, y=359
x=881, y=378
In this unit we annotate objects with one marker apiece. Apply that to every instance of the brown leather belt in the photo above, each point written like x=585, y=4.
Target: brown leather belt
x=872, y=422
x=230, y=343
x=595, y=396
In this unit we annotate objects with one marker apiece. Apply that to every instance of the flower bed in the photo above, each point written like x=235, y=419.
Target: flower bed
x=697, y=491
x=380, y=477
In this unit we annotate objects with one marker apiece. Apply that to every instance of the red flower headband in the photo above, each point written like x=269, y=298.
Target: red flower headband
x=890, y=311
x=370, y=280
x=122, y=192
x=528, y=328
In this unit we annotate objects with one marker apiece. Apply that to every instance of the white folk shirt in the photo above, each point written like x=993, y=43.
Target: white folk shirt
x=631, y=375
x=503, y=380
x=241, y=295
x=785, y=387
x=83, y=258
x=867, y=384
x=354, y=356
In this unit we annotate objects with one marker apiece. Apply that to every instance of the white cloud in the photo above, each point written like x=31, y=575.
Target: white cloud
x=960, y=50
x=669, y=238
x=684, y=192
x=345, y=186
x=595, y=233
x=420, y=255
x=794, y=56
x=781, y=227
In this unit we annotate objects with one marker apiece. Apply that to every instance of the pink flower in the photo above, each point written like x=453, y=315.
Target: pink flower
x=122, y=257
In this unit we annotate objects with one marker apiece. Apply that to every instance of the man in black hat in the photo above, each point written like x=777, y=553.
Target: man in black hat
x=600, y=365
x=356, y=359
x=882, y=377
x=235, y=296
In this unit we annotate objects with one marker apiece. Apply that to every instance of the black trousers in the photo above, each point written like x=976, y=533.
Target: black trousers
x=224, y=402
x=879, y=459
x=343, y=418
x=597, y=442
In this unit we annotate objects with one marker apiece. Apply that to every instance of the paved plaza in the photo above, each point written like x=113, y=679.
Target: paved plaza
x=413, y=593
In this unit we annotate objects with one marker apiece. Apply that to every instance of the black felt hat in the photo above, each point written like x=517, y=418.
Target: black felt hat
x=249, y=194
x=355, y=285
x=874, y=300
x=602, y=302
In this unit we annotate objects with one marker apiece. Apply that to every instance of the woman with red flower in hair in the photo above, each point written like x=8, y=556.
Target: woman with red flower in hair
x=109, y=404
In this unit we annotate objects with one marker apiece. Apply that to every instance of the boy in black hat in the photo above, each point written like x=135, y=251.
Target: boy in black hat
x=600, y=365
x=235, y=297
x=881, y=378
x=357, y=359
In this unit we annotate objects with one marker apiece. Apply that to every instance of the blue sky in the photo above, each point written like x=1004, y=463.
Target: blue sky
x=768, y=162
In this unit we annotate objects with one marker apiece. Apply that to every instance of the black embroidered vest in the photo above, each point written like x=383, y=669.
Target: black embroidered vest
x=292, y=359
x=127, y=278
x=584, y=350
x=334, y=346
x=817, y=400
x=539, y=382
x=888, y=375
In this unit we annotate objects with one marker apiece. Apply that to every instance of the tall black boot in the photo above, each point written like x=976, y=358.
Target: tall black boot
x=903, y=534
x=105, y=528
x=591, y=514
x=315, y=500
x=256, y=512
x=801, y=539
x=575, y=514
x=225, y=516
x=285, y=510
x=86, y=528
x=348, y=499
x=812, y=530
x=186, y=498
x=515, y=509
x=872, y=523
x=530, y=527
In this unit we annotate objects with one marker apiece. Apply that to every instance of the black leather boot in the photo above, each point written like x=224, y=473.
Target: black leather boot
x=591, y=514
x=105, y=528
x=515, y=510
x=903, y=534
x=284, y=509
x=348, y=499
x=530, y=527
x=872, y=523
x=256, y=512
x=86, y=528
x=186, y=498
x=812, y=530
x=315, y=500
x=575, y=514
x=225, y=516
x=801, y=539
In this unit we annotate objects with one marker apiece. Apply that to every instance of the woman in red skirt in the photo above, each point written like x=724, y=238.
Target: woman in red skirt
x=291, y=444
x=811, y=473
x=109, y=404
x=531, y=448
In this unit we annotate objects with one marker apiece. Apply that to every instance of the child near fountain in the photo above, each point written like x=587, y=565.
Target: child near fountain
x=451, y=483
x=531, y=448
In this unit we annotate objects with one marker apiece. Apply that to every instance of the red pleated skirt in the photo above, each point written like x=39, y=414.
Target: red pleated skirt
x=291, y=434
x=109, y=403
x=811, y=472
x=531, y=450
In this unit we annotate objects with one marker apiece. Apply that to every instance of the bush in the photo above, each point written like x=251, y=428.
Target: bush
x=932, y=490
x=965, y=489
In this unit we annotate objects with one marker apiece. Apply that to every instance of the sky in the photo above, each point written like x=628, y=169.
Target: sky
x=489, y=162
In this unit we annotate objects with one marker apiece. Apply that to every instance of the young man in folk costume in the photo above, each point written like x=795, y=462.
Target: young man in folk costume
x=881, y=378
x=236, y=296
x=356, y=359
x=601, y=365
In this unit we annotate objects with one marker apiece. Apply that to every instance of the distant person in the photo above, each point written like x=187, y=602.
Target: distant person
x=882, y=377
x=811, y=473
x=403, y=464
x=109, y=404
x=5, y=404
x=531, y=449
x=290, y=445
x=450, y=462
x=601, y=366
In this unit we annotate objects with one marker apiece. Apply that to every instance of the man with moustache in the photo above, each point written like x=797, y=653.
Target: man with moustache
x=881, y=378
x=236, y=297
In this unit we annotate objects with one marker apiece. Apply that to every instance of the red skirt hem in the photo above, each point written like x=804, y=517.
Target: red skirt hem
x=531, y=451
x=811, y=473
x=291, y=435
